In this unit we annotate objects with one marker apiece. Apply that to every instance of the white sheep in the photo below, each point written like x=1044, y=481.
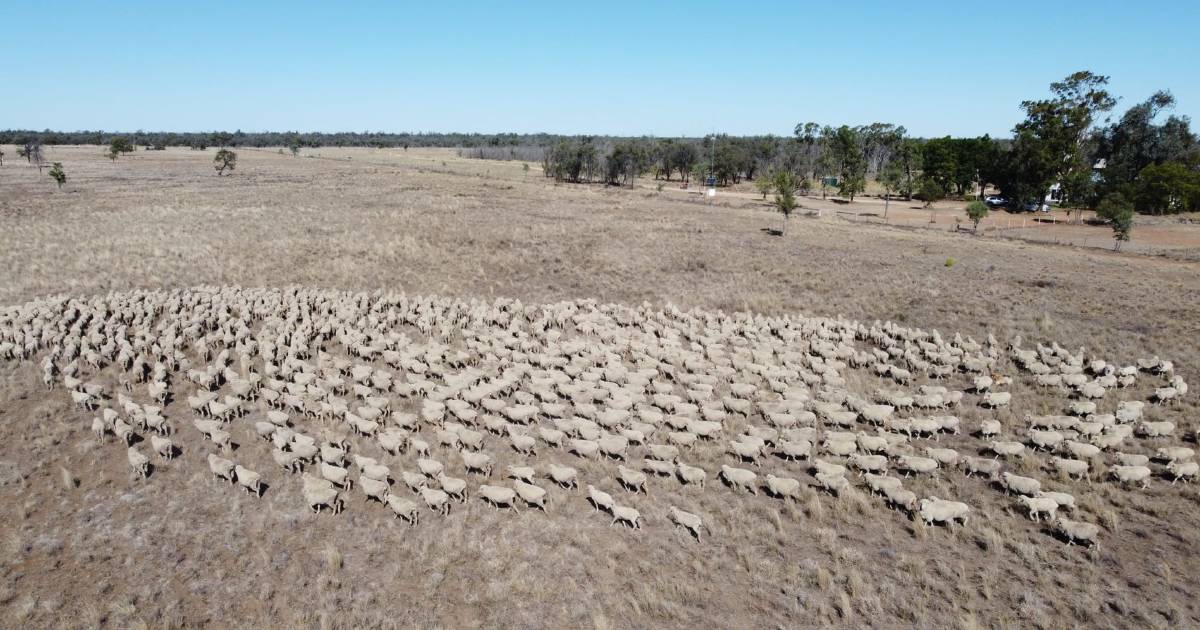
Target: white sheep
x=429, y=467
x=564, y=476
x=631, y=479
x=138, y=462
x=1132, y=474
x=249, y=480
x=691, y=474
x=783, y=487
x=436, y=500
x=622, y=514
x=1038, y=505
x=221, y=467
x=1020, y=485
x=403, y=508
x=739, y=478
x=994, y=400
x=1077, y=531
x=934, y=510
x=599, y=499
x=1183, y=470
x=456, y=488
x=499, y=496
x=374, y=489
x=691, y=522
x=531, y=494
x=336, y=475
x=163, y=446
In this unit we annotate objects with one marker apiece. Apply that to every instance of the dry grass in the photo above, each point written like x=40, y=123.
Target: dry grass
x=428, y=222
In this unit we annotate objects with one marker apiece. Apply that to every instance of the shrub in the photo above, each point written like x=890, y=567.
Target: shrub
x=976, y=211
x=1115, y=209
x=58, y=174
x=949, y=262
x=224, y=159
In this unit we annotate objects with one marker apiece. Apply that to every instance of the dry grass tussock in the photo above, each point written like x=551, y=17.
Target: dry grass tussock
x=177, y=551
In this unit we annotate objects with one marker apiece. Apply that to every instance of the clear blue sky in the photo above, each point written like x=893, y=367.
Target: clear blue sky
x=958, y=68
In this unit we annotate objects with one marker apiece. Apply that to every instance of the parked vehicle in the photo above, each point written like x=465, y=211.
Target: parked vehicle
x=1034, y=205
x=995, y=201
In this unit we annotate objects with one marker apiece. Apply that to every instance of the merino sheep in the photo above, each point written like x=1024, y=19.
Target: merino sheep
x=138, y=462
x=1132, y=474
x=981, y=466
x=403, y=508
x=739, y=478
x=1038, y=505
x=323, y=497
x=564, y=476
x=532, y=495
x=1020, y=485
x=429, y=467
x=686, y=520
x=994, y=400
x=633, y=480
x=1183, y=470
x=622, y=514
x=221, y=467
x=934, y=510
x=599, y=499
x=436, y=500
x=249, y=480
x=163, y=446
x=833, y=483
x=692, y=475
x=524, y=473
x=783, y=487
x=456, y=488
x=477, y=462
x=336, y=475
x=1077, y=531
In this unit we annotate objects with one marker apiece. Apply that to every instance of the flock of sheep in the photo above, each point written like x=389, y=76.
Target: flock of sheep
x=412, y=399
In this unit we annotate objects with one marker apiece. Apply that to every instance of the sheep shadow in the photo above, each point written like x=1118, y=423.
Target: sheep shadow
x=771, y=231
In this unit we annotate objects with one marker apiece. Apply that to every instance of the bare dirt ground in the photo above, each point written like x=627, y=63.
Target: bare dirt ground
x=175, y=552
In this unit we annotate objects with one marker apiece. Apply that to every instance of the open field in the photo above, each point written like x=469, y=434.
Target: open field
x=89, y=545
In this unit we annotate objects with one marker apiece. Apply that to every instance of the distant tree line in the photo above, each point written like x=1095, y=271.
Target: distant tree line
x=1147, y=157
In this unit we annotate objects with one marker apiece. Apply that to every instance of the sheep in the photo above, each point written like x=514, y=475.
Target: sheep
x=901, y=498
x=429, y=467
x=583, y=448
x=249, y=480
x=599, y=499
x=288, y=461
x=138, y=462
x=564, y=476
x=1020, y=485
x=392, y=440
x=524, y=473
x=880, y=483
x=1156, y=429
x=613, y=446
x=869, y=463
x=1063, y=499
x=1077, y=531
x=1131, y=459
x=934, y=510
x=783, y=487
x=690, y=474
x=436, y=500
x=1006, y=449
x=631, y=479
x=456, y=488
x=163, y=446
x=738, y=478
x=552, y=437
x=833, y=483
x=477, y=462
x=403, y=508
x=793, y=450
x=682, y=438
x=628, y=515
x=663, y=452
x=378, y=472
x=654, y=466
x=1132, y=474
x=221, y=467
x=1081, y=450
x=1038, y=505
x=1044, y=440
x=414, y=481
x=532, y=495
x=994, y=400
x=1074, y=468
x=980, y=466
x=944, y=456
x=336, y=475
x=498, y=496
x=690, y=522
x=1183, y=470
x=323, y=497
x=912, y=464
x=1082, y=408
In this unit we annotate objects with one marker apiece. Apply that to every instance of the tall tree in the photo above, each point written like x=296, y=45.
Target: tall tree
x=846, y=153
x=1055, y=131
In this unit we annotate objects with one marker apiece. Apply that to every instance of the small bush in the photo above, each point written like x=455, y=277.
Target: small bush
x=949, y=262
